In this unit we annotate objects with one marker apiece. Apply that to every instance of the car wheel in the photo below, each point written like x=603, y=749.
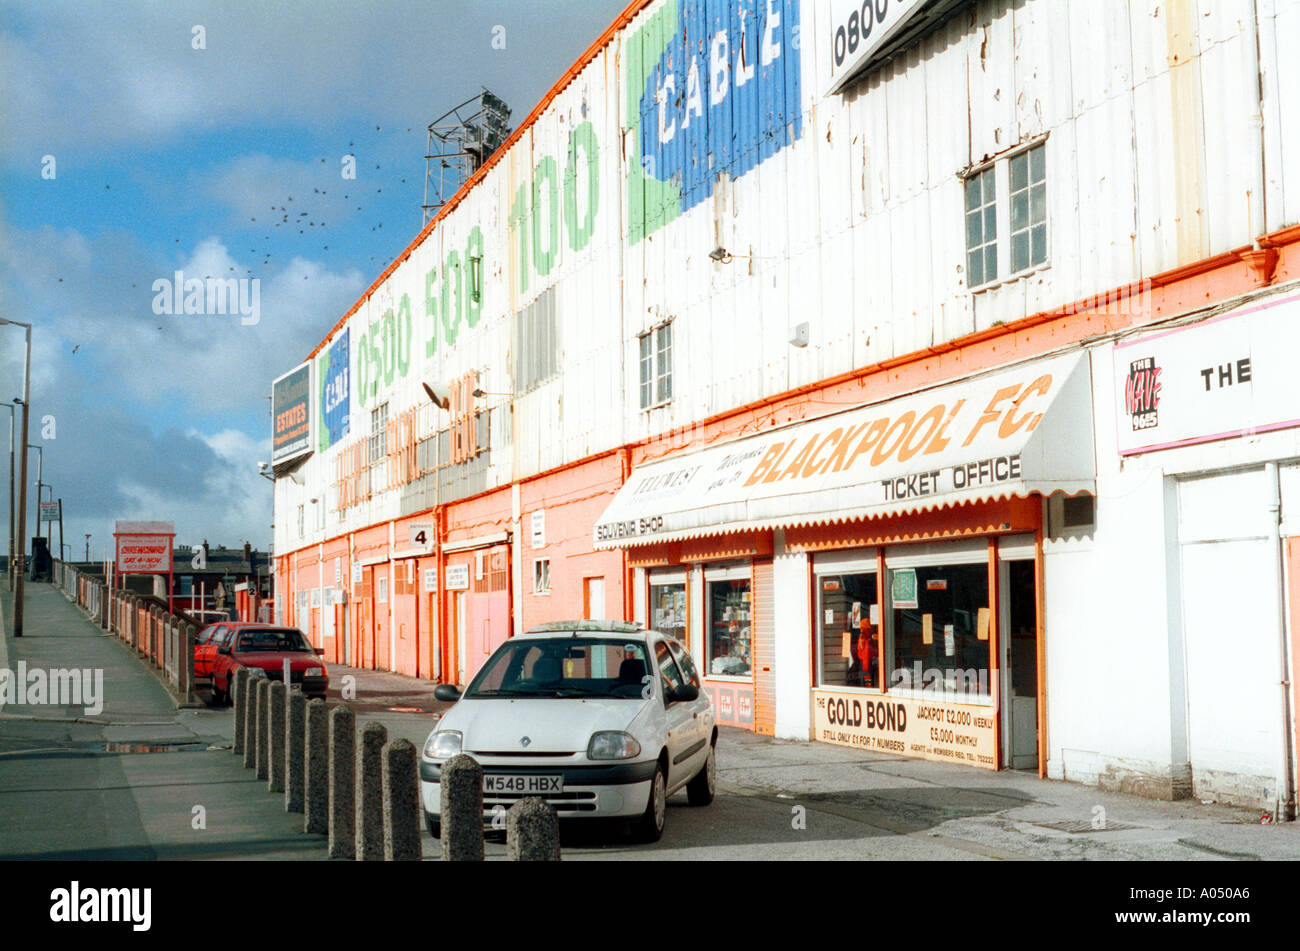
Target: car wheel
x=701, y=789
x=219, y=696
x=651, y=825
x=433, y=825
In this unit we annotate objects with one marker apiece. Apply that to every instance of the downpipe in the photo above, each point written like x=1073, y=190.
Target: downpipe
x=1286, y=804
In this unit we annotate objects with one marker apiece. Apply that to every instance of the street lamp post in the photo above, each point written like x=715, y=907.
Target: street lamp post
x=87, y=547
x=40, y=474
x=40, y=497
x=10, y=561
x=22, y=508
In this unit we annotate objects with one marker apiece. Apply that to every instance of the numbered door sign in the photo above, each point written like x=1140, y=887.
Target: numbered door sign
x=421, y=534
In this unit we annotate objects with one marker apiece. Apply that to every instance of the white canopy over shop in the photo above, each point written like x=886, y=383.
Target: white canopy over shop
x=1011, y=432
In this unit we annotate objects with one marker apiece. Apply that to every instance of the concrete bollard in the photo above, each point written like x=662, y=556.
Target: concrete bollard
x=317, y=787
x=262, y=704
x=532, y=831
x=370, y=800
x=401, y=791
x=295, y=742
x=239, y=688
x=343, y=737
x=275, y=736
x=254, y=676
x=461, y=809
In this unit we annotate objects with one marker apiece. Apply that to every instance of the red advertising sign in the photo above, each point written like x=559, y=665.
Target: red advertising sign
x=144, y=547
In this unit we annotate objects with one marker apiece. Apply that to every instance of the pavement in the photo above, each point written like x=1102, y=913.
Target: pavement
x=144, y=779
x=140, y=780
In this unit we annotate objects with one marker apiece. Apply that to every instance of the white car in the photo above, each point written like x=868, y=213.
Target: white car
x=599, y=718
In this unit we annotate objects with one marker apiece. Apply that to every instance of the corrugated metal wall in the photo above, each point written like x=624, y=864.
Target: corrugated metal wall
x=844, y=212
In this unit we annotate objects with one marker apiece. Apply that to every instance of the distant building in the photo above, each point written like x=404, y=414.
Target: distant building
x=225, y=570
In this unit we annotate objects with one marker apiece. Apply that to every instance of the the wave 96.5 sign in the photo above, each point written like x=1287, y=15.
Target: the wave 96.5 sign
x=291, y=414
x=1228, y=376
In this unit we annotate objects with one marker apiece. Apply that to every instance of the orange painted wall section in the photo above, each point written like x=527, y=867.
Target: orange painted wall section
x=572, y=499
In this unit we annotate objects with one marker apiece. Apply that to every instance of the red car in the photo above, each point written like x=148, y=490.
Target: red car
x=208, y=640
x=268, y=646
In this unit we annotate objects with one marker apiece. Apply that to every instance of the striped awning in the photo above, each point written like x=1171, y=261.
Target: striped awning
x=1011, y=432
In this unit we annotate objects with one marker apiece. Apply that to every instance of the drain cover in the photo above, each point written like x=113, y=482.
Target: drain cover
x=1076, y=826
x=122, y=747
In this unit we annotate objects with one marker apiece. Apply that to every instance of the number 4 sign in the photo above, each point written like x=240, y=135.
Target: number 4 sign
x=421, y=534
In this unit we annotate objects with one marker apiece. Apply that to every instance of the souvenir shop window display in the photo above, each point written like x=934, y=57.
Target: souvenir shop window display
x=668, y=608
x=728, y=624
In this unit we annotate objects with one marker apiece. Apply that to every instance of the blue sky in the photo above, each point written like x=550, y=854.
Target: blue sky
x=137, y=139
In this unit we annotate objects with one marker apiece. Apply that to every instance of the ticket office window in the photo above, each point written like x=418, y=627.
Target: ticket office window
x=727, y=622
x=939, y=622
x=848, y=622
x=667, y=606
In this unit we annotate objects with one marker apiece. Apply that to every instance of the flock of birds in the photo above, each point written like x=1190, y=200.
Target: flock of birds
x=305, y=222
x=291, y=219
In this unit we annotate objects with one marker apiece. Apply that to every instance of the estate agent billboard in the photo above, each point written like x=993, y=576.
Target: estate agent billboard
x=291, y=414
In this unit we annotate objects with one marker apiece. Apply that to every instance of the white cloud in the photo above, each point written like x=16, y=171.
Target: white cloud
x=84, y=77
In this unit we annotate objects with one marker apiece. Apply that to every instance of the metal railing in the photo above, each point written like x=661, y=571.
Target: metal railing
x=165, y=640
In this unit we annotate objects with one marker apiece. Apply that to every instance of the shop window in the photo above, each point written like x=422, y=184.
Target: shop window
x=940, y=627
x=656, y=365
x=727, y=626
x=849, y=623
x=668, y=604
x=542, y=576
x=383, y=590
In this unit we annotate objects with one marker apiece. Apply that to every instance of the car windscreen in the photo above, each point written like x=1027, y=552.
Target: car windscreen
x=565, y=667
x=280, y=639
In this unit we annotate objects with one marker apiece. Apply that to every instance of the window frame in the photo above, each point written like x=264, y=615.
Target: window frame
x=840, y=563
x=736, y=571
x=660, y=363
x=1000, y=166
x=541, y=570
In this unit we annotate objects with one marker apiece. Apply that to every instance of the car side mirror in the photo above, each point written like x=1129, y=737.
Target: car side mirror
x=446, y=692
x=686, y=693
x=320, y=652
x=223, y=649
